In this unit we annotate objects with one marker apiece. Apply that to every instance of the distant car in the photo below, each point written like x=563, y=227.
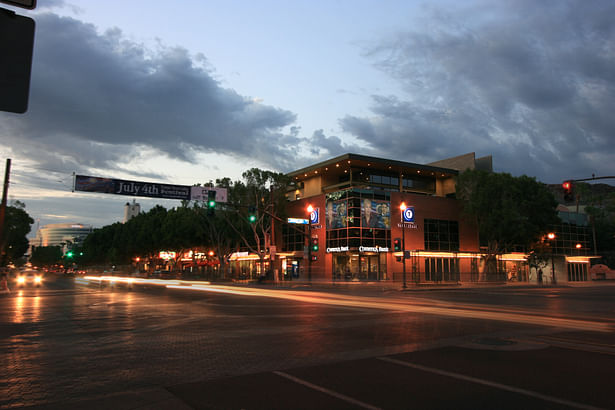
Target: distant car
x=29, y=278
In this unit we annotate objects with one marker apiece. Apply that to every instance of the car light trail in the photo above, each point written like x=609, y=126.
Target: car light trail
x=138, y=281
x=382, y=303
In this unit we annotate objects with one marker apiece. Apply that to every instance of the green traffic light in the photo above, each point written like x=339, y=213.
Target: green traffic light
x=252, y=218
x=69, y=254
x=212, y=204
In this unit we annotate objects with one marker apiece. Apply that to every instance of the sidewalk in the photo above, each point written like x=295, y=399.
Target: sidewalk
x=412, y=286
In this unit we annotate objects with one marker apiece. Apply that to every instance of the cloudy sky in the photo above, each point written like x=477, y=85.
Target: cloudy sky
x=186, y=92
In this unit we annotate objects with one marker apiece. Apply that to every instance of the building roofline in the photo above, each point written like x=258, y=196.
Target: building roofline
x=376, y=160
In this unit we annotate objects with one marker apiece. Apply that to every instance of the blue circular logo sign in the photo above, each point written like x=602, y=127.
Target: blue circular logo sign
x=408, y=214
x=314, y=216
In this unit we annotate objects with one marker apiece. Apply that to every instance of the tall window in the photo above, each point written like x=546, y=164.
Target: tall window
x=441, y=269
x=358, y=217
x=294, y=239
x=441, y=235
x=577, y=272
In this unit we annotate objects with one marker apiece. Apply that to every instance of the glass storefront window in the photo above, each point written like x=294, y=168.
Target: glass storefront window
x=359, y=267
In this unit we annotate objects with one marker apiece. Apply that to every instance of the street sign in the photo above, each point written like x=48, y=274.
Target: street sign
x=297, y=221
x=26, y=4
x=201, y=193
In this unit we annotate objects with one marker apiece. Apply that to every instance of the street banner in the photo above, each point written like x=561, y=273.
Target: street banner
x=132, y=188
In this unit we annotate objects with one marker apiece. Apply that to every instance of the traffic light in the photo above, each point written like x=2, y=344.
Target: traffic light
x=211, y=202
x=314, y=244
x=252, y=214
x=69, y=254
x=397, y=245
x=568, y=191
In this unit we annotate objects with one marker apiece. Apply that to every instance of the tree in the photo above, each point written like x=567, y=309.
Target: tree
x=14, y=242
x=46, y=255
x=263, y=191
x=511, y=213
x=600, y=207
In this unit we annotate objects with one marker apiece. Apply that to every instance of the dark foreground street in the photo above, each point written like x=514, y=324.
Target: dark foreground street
x=75, y=344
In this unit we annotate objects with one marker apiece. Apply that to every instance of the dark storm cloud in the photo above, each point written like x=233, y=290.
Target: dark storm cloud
x=532, y=83
x=95, y=98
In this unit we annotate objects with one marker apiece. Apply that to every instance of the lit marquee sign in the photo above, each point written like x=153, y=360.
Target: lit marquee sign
x=373, y=249
x=361, y=249
x=166, y=255
x=337, y=249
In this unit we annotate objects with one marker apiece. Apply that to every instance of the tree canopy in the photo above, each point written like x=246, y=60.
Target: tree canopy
x=46, y=255
x=511, y=213
x=14, y=239
x=190, y=225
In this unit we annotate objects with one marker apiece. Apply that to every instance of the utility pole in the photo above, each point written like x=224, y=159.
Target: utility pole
x=5, y=190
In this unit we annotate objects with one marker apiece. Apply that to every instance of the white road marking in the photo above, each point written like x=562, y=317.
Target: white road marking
x=327, y=391
x=489, y=383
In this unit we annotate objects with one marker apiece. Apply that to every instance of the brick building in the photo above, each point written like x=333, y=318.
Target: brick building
x=360, y=231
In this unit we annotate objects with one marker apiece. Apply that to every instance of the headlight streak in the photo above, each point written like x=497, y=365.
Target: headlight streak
x=385, y=304
x=381, y=303
x=139, y=281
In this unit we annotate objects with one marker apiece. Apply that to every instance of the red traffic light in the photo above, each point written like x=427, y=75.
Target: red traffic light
x=568, y=191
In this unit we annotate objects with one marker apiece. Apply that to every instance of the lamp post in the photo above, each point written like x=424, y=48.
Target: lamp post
x=310, y=209
x=402, y=208
x=551, y=237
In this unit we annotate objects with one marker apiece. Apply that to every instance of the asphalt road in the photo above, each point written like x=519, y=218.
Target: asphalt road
x=79, y=345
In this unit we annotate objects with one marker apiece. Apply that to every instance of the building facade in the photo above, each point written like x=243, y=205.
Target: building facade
x=64, y=235
x=358, y=230
x=131, y=210
x=356, y=218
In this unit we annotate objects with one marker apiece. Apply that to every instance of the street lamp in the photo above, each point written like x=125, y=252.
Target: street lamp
x=403, y=208
x=310, y=209
x=551, y=237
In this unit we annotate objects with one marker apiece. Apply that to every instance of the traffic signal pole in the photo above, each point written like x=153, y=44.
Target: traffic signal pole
x=403, y=251
x=310, y=249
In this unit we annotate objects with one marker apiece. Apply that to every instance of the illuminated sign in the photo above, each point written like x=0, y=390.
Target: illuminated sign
x=338, y=249
x=314, y=216
x=373, y=249
x=166, y=255
x=297, y=221
x=408, y=214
